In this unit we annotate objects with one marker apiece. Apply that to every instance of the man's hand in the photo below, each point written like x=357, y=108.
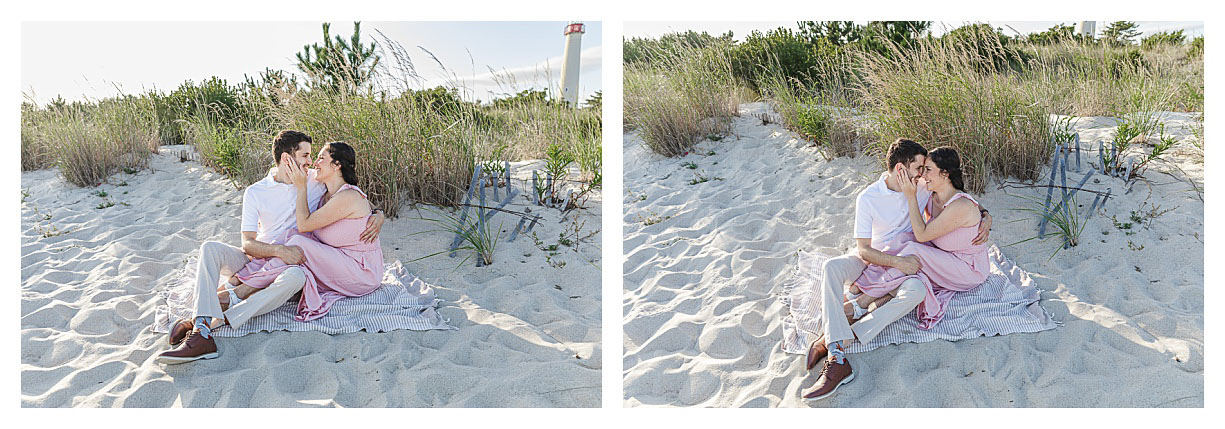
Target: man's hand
x=984, y=230
x=292, y=255
x=909, y=265
x=373, y=226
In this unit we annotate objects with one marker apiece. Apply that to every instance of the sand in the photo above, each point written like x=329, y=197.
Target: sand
x=528, y=332
x=705, y=263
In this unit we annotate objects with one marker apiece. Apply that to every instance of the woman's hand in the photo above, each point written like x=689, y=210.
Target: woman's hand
x=908, y=184
x=297, y=175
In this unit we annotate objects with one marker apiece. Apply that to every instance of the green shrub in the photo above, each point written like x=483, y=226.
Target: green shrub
x=988, y=48
x=1163, y=38
x=224, y=104
x=781, y=49
x=1058, y=33
x=242, y=153
x=1125, y=62
x=1197, y=48
x=1120, y=33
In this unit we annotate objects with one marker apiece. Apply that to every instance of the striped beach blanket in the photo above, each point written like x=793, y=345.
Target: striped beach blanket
x=1007, y=303
x=403, y=301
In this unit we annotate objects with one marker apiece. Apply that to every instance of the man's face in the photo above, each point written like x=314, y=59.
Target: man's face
x=915, y=167
x=302, y=156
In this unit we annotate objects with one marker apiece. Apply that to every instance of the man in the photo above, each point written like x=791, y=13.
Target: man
x=881, y=214
x=267, y=214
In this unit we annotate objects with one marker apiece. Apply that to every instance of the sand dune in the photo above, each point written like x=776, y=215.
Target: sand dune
x=528, y=332
x=703, y=261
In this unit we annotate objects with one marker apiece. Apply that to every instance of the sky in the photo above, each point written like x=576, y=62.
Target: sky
x=740, y=29
x=79, y=60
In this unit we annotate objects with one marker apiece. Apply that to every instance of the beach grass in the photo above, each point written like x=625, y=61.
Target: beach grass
x=986, y=94
x=947, y=94
x=413, y=144
x=681, y=96
x=91, y=140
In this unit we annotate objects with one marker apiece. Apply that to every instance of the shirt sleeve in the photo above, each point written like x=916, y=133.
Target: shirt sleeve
x=863, y=217
x=250, y=213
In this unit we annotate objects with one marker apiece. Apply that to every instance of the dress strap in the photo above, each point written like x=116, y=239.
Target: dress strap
x=960, y=195
x=355, y=188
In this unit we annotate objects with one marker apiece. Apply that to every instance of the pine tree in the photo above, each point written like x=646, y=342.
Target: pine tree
x=1121, y=32
x=339, y=64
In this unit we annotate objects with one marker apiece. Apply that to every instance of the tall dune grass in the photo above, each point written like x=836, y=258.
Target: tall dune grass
x=412, y=144
x=34, y=154
x=974, y=89
x=681, y=96
x=946, y=94
x=409, y=147
x=242, y=153
x=1098, y=79
x=89, y=141
x=825, y=112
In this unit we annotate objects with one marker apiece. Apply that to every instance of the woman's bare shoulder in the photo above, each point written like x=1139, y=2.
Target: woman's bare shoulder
x=964, y=208
x=351, y=198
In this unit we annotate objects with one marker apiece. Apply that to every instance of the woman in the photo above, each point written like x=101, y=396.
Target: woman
x=338, y=263
x=951, y=263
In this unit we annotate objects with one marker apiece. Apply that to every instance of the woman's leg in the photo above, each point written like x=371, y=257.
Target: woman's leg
x=241, y=289
x=865, y=300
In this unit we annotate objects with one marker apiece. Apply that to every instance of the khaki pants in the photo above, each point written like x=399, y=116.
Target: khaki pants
x=841, y=271
x=219, y=260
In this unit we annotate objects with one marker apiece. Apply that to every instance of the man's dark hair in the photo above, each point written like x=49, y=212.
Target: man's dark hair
x=287, y=142
x=904, y=151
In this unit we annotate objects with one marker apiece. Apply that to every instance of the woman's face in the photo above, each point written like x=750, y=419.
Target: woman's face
x=324, y=164
x=932, y=174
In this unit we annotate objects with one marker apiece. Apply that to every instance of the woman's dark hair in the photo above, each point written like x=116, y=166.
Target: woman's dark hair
x=346, y=157
x=903, y=151
x=287, y=142
x=946, y=160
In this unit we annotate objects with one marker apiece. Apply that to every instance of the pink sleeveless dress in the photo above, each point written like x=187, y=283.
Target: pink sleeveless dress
x=950, y=264
x=338, y=264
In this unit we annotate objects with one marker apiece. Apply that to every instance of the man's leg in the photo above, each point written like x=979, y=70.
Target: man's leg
x=908, y=296
x=837, y=371
x=216, y=259
x=838, y=272
x=288, y=283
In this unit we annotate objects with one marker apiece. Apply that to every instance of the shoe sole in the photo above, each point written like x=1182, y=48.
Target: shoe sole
x=844, y=381
x=170, y=360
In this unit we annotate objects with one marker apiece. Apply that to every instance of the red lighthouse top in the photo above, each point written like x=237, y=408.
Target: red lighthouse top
x=574, y=28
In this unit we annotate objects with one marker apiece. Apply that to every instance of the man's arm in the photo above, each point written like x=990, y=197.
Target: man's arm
x=292, y=255
x=908, y=264
x=984, y=227
x=373, y=226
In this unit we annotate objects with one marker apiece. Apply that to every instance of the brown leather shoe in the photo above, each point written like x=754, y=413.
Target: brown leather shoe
x=179, y=331
x=195, y=347
x=816, y=351
x=833, y=375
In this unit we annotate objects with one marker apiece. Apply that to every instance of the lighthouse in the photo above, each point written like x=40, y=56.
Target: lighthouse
x=570, y=66
x=1086, y=29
